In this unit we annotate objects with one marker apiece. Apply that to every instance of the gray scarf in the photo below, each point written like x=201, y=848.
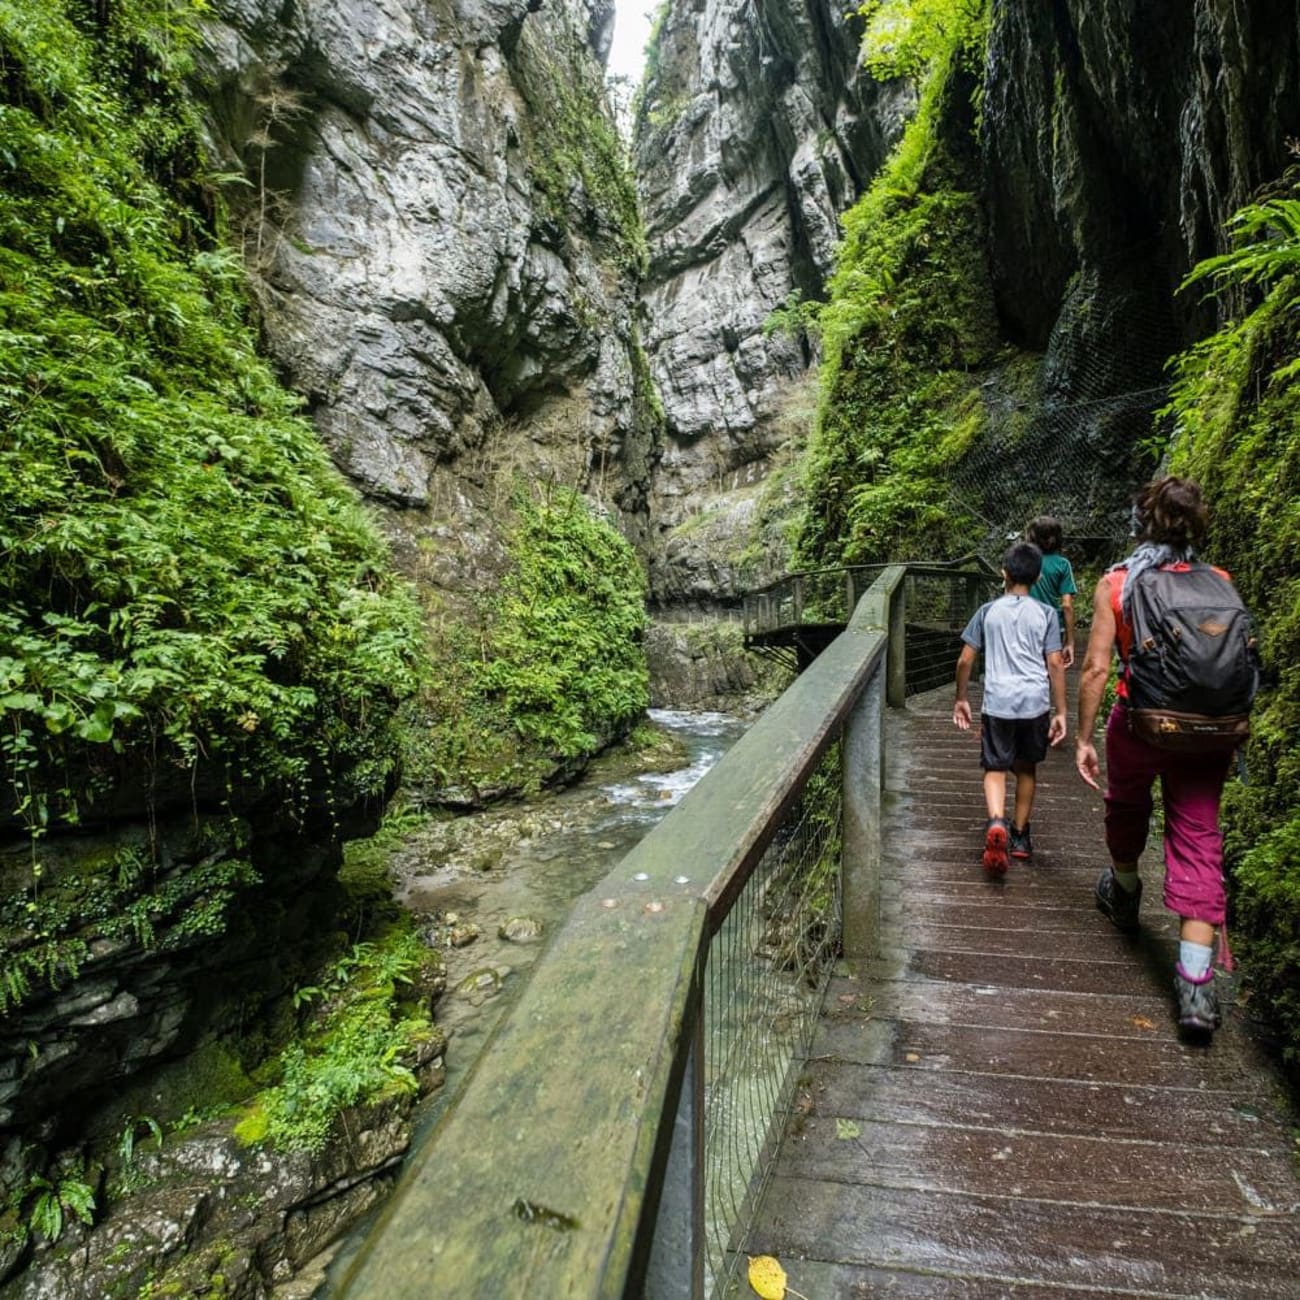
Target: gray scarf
x=1149, y=555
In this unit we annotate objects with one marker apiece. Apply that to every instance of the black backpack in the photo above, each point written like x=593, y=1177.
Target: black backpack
x=1193, y=670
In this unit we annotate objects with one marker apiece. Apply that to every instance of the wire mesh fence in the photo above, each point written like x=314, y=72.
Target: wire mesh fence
x=1079, y=440
x=767, y=971
x=817, y=597
x=938, y=606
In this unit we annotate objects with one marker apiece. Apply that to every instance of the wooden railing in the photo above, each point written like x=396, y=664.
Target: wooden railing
x=588, y=1153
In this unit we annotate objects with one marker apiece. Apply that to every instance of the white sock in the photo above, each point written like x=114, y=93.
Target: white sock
x=1127, y=881
x=1194, y=958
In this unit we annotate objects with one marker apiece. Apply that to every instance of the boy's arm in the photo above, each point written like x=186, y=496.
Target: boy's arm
x=1067, y=650
x=961, y=706
x=1056, y=676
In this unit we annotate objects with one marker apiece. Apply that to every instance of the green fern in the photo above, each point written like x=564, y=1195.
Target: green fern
x=1268, y=239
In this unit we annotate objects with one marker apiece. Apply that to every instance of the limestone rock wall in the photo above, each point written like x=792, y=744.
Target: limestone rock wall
x=754, y=133
x=441, y=273
x=1118, y=140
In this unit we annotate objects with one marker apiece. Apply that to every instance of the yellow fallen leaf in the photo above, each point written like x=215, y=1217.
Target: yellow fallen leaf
x=846, y=1130
x=912, y=1057
x=1140, y=1022
x=767, y=1277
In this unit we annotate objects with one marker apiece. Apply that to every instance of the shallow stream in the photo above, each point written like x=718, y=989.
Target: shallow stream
x=466, y=879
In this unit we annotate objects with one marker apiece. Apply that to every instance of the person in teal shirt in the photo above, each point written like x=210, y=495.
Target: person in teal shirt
x=1055, y=585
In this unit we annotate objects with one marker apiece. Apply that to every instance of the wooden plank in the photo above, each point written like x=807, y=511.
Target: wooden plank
x=1153, y=1061
x=973, y=1160
x=1043, y=939
x=938, y=1002
x=1068, y=1107
x=825, y=1280
x=1030, y=1241
x=1010, y=913
x=1068, y=976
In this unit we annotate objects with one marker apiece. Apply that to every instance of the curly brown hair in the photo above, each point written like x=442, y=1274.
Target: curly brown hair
x=1045, y=533
x=1171, y=511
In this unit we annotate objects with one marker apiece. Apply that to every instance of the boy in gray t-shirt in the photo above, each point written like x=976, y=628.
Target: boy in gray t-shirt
x=1024, y=699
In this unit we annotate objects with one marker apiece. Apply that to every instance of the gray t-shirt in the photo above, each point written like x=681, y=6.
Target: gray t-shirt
x=1016, y=633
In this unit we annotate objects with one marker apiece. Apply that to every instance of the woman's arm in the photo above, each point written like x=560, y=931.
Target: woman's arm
x=1092, y=682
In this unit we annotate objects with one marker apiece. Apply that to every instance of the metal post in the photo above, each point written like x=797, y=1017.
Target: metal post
x=850, y=594
x=863, y=776
x=676, y=1266
x=798, y=601
x=896, y=656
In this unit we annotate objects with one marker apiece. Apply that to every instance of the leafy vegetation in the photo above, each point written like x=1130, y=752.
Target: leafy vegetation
x=184, y=577
x=563, y=653
x=910, y=38
x=910, y=319
x=359, y=1045
x=1236, y=407
x=43, y=1205
x=46, y=932
x=554, y=670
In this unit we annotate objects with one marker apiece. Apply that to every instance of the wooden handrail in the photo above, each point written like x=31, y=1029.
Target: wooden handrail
x=543, y=1177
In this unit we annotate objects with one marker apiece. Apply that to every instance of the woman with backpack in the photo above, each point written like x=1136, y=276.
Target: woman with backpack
x=1188, y=675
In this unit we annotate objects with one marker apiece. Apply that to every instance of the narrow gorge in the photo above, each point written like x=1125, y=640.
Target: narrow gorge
x=383, y=433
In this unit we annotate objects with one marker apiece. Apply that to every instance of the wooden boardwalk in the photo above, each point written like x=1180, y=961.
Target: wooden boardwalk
x=1001, y=1106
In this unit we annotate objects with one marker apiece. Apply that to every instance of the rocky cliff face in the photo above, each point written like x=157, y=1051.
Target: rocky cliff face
x=1120, y=138
x=1117, y=141
x=445, y=243
x=754, y=133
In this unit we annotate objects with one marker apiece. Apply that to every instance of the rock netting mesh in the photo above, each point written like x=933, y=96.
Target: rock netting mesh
x=1080, y=443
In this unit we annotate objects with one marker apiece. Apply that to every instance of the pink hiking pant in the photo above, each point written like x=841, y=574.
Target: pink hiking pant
x=1192, y=785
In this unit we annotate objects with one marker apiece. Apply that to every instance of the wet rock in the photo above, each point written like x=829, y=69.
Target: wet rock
x=520, y=929
x=1120, y=156
x=704, y=663
x=461, y=936
x=217, y=1217
x=480, y=985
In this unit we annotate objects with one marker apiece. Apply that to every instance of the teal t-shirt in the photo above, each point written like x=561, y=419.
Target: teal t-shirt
x=1056, y=580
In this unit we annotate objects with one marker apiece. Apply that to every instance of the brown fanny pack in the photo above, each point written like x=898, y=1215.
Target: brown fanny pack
x=1189, y=733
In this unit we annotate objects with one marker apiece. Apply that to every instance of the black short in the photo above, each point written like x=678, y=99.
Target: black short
x=1007, y=741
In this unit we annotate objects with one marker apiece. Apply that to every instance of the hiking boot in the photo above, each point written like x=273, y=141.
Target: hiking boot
x=995, y=846
x=1198, y=1003
x=1021, y=845
x=1116, y=903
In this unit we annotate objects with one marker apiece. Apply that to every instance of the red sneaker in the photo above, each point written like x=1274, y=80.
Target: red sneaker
x=995, y=847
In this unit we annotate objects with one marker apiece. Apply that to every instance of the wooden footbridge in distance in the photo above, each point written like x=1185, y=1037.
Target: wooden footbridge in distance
x=798, y=1021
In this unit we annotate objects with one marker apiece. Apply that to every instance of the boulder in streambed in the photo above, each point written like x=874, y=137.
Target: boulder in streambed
x=520, y=929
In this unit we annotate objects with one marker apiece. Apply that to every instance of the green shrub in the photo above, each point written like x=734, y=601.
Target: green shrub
x=183, y=574
x=563, y=653
x=357, y=1049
